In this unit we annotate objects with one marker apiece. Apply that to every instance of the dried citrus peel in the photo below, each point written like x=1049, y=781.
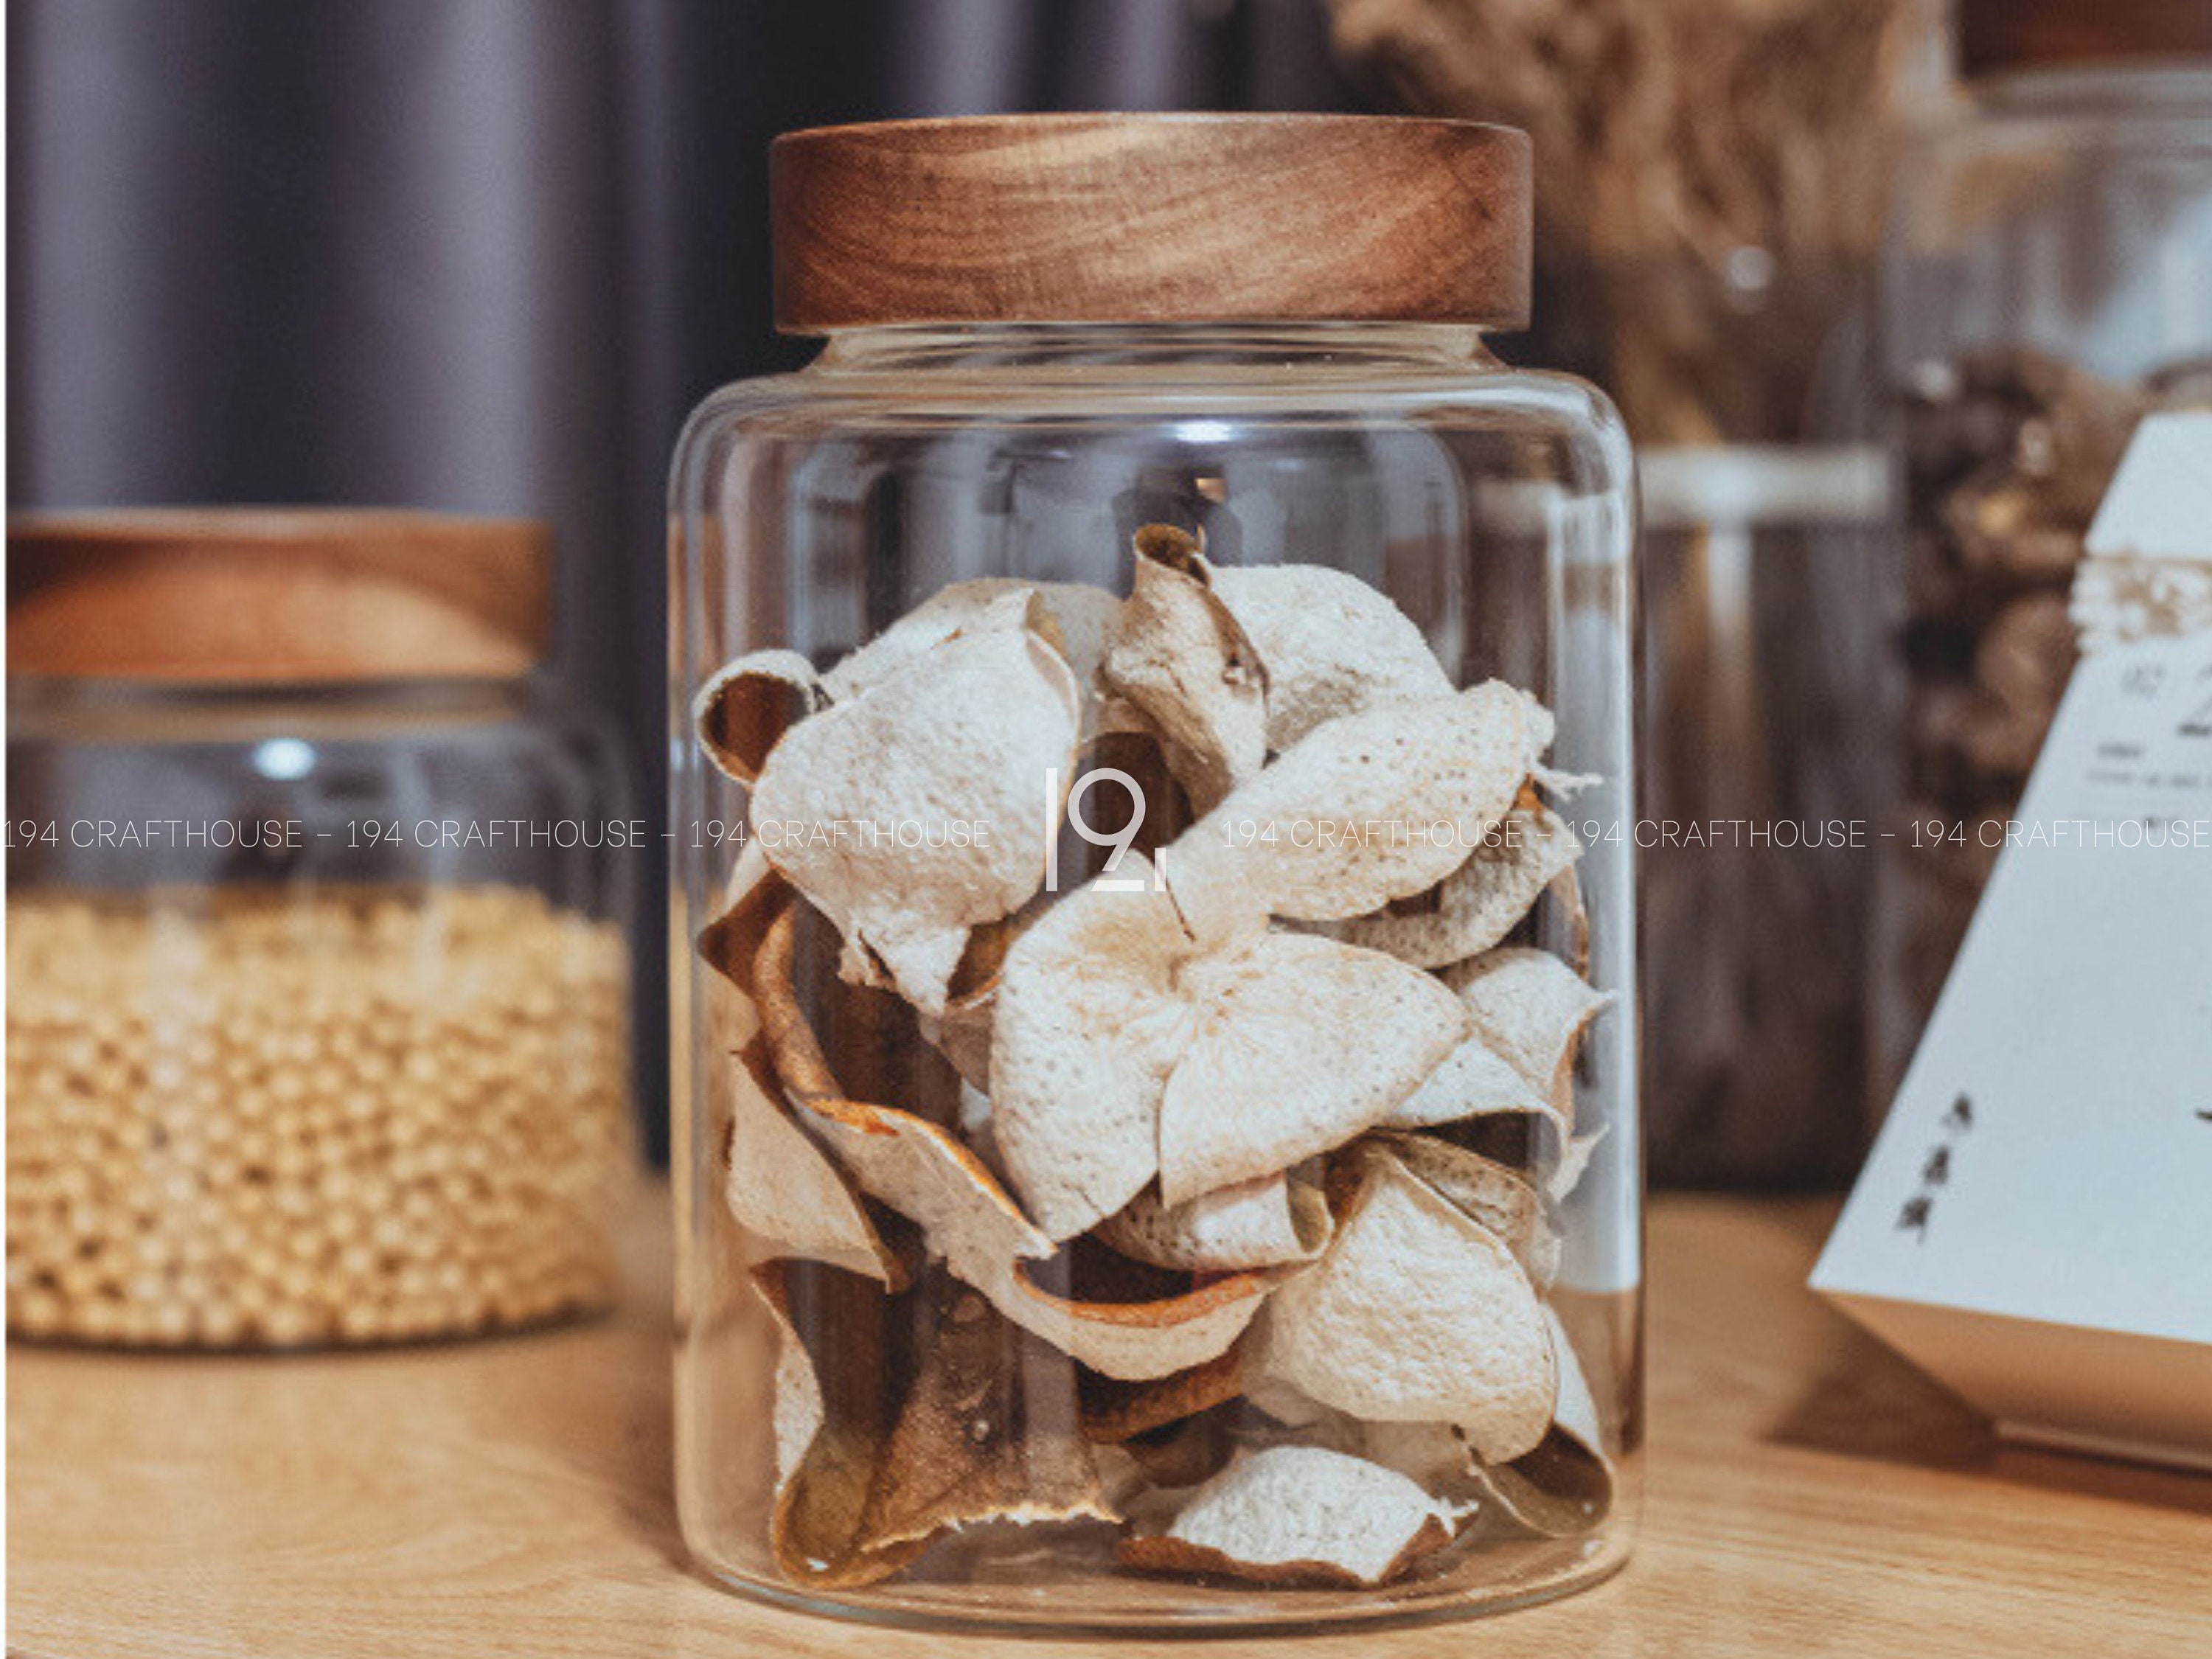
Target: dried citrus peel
x=783, y=1190
x=829, y=1418
x=1088, y=1021
x=1404, y=1341
x=1417, y=1313
x=1478, y=904
x=1531, y=1010
x=1365, y=809
x=1333, y=645
x=1473, y=1081
x=1264, y=1222
x=1563, y=1486
x=989, y=1432
x=1300, y=1044
x=748, y=704
x=1177, y=656
x=1502, y=1200
x=1300, y=1515
x=956, y=743
x=1075, y=619
x=969, y=1219
x=1114, y=1410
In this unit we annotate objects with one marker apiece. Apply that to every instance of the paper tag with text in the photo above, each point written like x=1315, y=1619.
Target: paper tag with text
x=2034, y=1226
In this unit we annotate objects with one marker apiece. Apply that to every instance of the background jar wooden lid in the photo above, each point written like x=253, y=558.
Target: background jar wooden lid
x=263, y=595
x=2000, y=34
x=1151, y=219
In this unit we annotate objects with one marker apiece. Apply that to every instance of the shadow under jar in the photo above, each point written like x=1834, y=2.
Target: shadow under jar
x=1153, y=774
x=317, y=981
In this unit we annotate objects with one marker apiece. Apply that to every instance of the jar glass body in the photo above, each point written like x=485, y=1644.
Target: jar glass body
x=2047, y=281
x=317, y=1010
x=809, y=514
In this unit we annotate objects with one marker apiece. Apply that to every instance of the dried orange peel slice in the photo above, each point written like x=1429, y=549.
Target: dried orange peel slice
x=915, y=811
x=1293, y=1515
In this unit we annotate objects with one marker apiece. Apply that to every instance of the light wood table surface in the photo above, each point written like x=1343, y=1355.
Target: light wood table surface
x=1807, y=1494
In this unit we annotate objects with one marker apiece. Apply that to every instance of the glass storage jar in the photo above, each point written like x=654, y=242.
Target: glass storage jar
x=1151, y=766
x=2047, y=281
x=317, y=985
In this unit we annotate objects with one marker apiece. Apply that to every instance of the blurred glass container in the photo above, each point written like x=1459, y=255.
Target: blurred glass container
x=1766, y=687
x=1711, y=187
x=2047, y=281
x=316, y=981
x=1122, y=419
x=1760, y=670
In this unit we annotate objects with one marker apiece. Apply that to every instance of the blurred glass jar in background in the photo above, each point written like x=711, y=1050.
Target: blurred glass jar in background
x=1066, y=1246
x=2047, y=281
x=317, y=981
x=1711, y=187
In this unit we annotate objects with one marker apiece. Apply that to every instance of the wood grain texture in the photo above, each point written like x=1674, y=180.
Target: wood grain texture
x=2002, y=34
x=1807, y=1494
x=1150, y=219
x=263, y=595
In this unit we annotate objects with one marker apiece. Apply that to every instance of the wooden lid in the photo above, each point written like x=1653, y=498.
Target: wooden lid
x=1150, y=219
x=262, y=594
x=2000, y=34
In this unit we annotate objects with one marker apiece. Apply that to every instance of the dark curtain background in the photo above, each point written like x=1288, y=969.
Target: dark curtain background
x=484, y=254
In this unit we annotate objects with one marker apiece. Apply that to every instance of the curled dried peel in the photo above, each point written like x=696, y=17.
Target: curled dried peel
x=1333, y=645
x=1417, y=1313
x=727, y=944
x=962, y=1036
x=989, y=1432
x=748, y=704
x=1255, y=1224
x=1114, y=1412
x=1481, y=901
x=1471, y=1081
x=1576, y=1412
x=1135, y=1341
x=965, y=734
x=778, y=1184
x=1173, y=1458
x=1530, y=1009
x=1563, y=1486
x=1574, y=1163
x=911, y=1164
x=1375, y=806
x=1301, y=1043
x=751, y=899
x=1176, y=655
x=1077, y=616
x=1501, y=1198
x=1087, y=1023
x=1299, y=1514
x=783, y=1189
x=968, y=1218
x=1574, y=923
x=835, y=1337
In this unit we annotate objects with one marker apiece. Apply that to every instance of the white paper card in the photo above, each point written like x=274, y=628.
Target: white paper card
x=2158, y=505
x=2149, y=570
x=2034, y=1226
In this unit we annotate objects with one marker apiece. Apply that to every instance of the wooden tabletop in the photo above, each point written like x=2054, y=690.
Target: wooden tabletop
x=1807, y=1494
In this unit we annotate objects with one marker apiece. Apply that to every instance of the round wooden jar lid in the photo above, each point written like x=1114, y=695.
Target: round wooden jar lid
x=1151, y=219
x=263, y=595
x=2002, y=34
